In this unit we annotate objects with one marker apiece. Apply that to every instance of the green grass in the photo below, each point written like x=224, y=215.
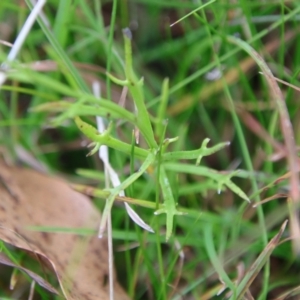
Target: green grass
x=218, y=231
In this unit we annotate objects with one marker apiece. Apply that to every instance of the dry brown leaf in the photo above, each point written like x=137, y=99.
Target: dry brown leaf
x=4, y=260
x=255, y=268
x=29, y=198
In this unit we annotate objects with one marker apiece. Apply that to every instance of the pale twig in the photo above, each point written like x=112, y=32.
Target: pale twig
x=42, y=15
x=103, y=155
x=21, y=38
x=112, y=176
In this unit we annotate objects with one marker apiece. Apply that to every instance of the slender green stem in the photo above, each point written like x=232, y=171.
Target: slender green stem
x=109, y=46
x=163, y=291
x=106, y=139
x=135, y=88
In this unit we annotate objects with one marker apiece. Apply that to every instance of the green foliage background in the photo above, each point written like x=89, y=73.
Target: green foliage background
x=215, y=91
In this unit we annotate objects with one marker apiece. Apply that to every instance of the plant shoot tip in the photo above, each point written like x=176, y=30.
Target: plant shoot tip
x=127, y=32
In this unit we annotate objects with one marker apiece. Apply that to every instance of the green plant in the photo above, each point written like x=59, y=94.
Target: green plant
x=172, y=116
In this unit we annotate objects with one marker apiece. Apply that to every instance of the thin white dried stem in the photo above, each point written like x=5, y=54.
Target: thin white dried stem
x=112, y=176
x=42, y=15
x=31, y=293
x=103, y=154
x=21, y=37
x=25, y=30
x=5, y=43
